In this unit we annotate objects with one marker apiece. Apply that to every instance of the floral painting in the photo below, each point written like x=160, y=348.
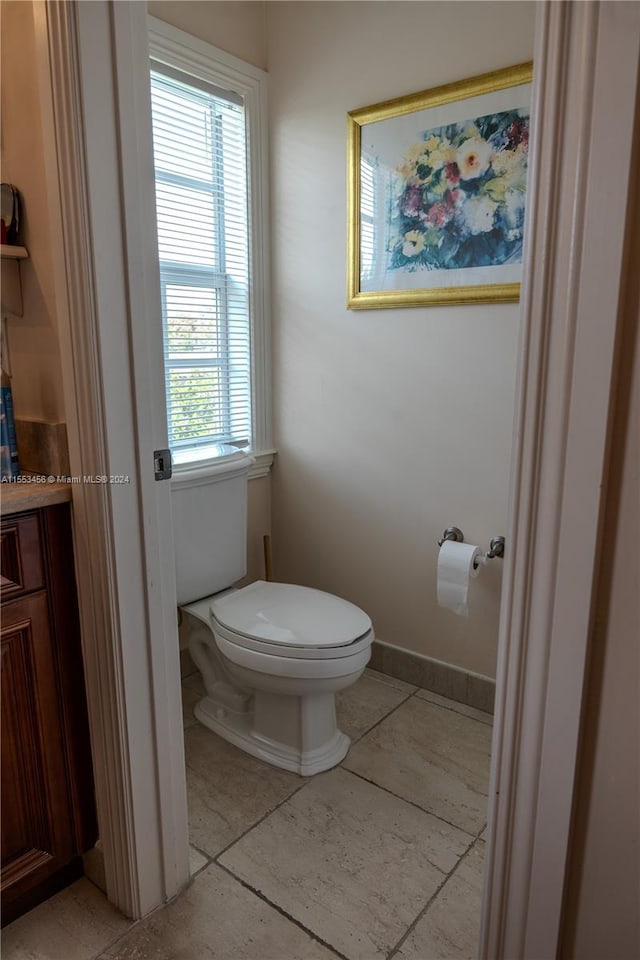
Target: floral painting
x=437, y=194
x=461, y=195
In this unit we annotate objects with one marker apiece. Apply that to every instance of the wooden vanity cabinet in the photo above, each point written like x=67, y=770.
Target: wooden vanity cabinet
x=48, y=805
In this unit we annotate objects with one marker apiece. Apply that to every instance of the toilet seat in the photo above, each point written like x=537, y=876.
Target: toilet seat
x=270, y=683
x=290, y=621
x=258, y=658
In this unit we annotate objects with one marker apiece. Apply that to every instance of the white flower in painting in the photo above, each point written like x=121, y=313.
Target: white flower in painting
x=514, y=207
x=413, y=243
x=479, y=214
x=473, y=157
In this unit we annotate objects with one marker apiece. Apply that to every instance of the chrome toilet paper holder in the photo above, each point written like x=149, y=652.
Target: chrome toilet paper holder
x=452, y=533
x=496, y=545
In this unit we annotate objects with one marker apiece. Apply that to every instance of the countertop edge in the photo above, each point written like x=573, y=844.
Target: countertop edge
x=15, y=497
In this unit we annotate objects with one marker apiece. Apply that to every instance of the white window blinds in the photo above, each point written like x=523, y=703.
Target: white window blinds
x=199, y=139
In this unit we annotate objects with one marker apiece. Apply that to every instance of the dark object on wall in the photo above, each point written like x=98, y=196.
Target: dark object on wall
x=10, y=214
x=48, y=805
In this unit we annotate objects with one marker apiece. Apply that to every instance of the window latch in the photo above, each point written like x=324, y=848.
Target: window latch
x=162, y=464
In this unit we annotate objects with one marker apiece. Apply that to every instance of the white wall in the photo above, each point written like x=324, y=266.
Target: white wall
x=390, y=424
x=33, y=339
x=238, y=28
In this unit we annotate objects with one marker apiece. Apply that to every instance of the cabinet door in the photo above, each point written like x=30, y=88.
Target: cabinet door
x=37, y=835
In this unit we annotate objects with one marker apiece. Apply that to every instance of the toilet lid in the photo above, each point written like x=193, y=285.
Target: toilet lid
x=291, y=616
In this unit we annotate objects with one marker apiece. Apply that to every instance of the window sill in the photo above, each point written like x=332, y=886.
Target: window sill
x=200, y=472
x=262, y=463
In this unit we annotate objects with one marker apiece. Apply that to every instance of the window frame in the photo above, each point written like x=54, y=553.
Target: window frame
x=178, y=50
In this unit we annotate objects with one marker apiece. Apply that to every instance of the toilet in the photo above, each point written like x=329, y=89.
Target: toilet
x=272, y=655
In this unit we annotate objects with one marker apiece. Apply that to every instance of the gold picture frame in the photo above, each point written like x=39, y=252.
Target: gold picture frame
x=437, y=194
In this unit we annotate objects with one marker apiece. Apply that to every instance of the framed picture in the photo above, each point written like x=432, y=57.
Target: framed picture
x=437, y=194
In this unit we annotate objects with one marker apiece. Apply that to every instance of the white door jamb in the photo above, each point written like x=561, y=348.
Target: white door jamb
x=585, y=81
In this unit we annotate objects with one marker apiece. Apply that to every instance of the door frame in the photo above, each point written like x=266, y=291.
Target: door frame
x=584, y=64
x=97, y=140
x=585, y=97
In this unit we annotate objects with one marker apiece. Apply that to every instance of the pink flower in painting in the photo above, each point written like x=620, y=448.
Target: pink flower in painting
x=437, y=215
x=452, y=173
x=440, y=213
x=412, y=201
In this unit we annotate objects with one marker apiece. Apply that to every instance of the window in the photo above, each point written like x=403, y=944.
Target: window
x=208, y=170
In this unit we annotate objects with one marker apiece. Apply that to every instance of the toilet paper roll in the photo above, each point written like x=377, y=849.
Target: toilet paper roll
x=455, y=569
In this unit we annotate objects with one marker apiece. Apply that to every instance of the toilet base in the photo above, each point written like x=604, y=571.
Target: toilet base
x=295, y=733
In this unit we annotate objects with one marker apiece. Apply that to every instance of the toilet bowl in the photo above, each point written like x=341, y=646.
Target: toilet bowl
x=272, y=657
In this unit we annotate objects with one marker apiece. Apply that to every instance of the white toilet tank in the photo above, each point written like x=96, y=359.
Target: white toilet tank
x=210, y=525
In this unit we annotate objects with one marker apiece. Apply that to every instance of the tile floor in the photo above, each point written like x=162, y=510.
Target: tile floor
x=380, y=857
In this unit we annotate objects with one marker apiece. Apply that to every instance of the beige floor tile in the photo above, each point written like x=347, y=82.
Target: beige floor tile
x=227, y=789
x=392, y=681
x=462, y=708
x=216, y=917
x=361, y=706
x=433, y=757
x=76, y=924
x=197, y=860
x=450, y=928
x=349, y=861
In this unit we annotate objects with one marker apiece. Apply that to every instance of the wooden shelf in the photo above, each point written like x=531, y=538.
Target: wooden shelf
x=9, y=251
x=11, y=285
